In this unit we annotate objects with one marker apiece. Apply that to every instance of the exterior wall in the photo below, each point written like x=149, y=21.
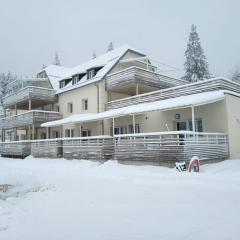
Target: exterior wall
x=233, y=124
x=213, y=117
x=75, y=97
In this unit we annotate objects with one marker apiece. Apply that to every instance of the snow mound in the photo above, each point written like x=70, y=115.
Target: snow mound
x=18, y=184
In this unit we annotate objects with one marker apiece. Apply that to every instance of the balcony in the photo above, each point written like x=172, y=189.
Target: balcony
x=29, y=93
x=30, y=117
x=37, y=97
x=131, y=76
x=182, y=90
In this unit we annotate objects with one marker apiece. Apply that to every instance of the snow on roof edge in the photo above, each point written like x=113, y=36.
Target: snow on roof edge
x=163, y=105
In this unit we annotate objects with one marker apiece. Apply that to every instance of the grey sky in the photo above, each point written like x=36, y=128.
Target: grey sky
x=31, y=31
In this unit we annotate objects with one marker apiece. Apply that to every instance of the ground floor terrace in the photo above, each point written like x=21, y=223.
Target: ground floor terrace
x=167, y=131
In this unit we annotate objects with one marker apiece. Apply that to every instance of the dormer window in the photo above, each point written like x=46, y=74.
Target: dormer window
x=75, y=79
x=62, y=84
x=90, y=73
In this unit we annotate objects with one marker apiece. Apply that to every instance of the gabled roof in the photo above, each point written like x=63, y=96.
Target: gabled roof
x=55, y=73
x=106, y=61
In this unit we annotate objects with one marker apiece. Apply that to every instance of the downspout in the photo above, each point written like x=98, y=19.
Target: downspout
x=97, y=86
x=98, y=105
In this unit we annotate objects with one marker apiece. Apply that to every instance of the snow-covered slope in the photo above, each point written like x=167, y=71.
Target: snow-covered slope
x=88, y=200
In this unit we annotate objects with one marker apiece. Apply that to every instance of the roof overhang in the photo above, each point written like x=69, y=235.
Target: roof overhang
x=162, y=105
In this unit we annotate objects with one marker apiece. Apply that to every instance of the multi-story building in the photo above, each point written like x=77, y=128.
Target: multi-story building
x=120, y=106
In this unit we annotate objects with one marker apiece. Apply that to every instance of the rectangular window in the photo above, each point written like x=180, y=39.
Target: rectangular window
x=70, y=108
x=62, y=84
x=86, y=133
x=75, y=79
x=137, y=128
x=120, y=130
x=43, y=135
x=69, y=132
x=90, y=74
x=85, y=104
x=23, y=137
x=186, y=125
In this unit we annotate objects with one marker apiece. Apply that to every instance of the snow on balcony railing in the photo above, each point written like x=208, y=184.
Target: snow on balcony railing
x=156, y=146
x=187, y=89
x=171, y=146
x=138, y=75
x=29, y=117
x=39, y=94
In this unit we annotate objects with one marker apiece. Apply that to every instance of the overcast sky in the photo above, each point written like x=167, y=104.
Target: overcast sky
x=31, y=31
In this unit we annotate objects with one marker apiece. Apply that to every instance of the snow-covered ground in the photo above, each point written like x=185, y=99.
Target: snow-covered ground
x=68, y=200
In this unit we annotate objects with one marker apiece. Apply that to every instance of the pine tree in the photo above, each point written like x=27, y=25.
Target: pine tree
x=196, y=66
x=57, y=60
x=94, y=55
x=110, y=47
x=5, y=79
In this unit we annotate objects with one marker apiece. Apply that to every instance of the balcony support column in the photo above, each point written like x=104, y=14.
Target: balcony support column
x=137, y=89
x=113, y=126
x=15, y=134
x=47, y=133
x=33, y=132
x=29, y=104
x=193, y=119
x=3, y=135
x=15, y=109
x=29, y=132
x=134, y=124
x=102, y=125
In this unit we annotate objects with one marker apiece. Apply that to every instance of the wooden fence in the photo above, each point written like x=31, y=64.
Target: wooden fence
x=15, y=148
x=49, y=148
x=171, y=146
x=146, y=147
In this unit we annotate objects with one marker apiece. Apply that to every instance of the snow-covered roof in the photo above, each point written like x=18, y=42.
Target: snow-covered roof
x=106, y=61
x=55, y=73
x=163, y=105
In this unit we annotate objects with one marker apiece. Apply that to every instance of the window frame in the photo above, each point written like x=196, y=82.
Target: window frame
x=70, y=107
x=85, y=104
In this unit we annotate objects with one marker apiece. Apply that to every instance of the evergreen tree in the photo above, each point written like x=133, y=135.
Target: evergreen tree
x=5, y=79
x=56, y=60
x=236, y=75
x=110, y=47
x=94, y=55
x=196, y=66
